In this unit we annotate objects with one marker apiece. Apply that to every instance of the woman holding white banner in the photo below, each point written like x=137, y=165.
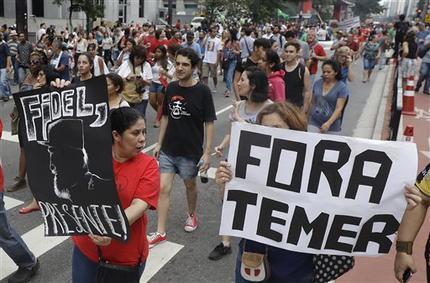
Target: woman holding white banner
x=328, y=100
x=284, y=265
x=254, y=85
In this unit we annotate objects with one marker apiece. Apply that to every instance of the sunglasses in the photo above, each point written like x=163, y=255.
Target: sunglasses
x=33, y=62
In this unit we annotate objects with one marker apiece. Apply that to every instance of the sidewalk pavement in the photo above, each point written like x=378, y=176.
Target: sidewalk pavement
x=380, y=269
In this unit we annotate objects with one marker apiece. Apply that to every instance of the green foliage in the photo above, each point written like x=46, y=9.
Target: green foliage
x=324, y=8
x=91, y=8
x=364, y=8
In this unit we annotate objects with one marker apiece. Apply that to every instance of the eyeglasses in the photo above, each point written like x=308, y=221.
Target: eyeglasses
x=34, y=62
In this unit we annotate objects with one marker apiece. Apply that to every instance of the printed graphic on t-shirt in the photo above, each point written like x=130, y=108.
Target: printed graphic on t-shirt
x=211, y=46
x=178, y=107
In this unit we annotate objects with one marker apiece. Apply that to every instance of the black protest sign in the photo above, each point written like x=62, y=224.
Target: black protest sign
x=316, y=193
x=67, y=141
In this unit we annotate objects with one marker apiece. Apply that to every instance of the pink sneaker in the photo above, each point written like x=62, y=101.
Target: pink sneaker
x=191, y=223
x=156, y=238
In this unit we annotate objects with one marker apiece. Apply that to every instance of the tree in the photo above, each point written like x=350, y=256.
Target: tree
x=365, y=8
x=91, y=8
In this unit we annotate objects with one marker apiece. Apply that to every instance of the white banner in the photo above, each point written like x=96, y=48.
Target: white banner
x=315, y=193
x=349, y=23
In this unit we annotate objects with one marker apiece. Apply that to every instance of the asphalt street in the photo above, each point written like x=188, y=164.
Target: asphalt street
x=189, y=263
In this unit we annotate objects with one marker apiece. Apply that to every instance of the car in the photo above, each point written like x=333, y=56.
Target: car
x=197, y=22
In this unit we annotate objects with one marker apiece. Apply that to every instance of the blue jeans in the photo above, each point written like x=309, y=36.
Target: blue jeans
x=4, y=83
x=424, y=76
x=141, y=107
x=22, y=73
x=12, y=243
x=15, y=69
x=84, y=270
x=229, y=73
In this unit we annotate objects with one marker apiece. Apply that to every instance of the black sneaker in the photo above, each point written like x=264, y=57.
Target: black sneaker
x=23, y=275
x=5, y=98
x=219, y=252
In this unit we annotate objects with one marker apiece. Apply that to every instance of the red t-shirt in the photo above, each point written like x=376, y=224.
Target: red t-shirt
x=138, y=178
x=318, y=50
x=1, y=169
x=152, y=41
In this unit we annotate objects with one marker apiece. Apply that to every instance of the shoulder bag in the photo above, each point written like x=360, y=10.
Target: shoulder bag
x=255, y=266
x=330, y=267
x=112, y=273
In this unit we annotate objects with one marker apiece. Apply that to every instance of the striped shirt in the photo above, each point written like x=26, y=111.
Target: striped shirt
x=13, y=47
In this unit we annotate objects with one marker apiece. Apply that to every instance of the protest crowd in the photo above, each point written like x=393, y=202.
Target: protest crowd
x=270, y=70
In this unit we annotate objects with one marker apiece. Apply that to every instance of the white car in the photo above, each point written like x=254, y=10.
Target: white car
x=197, y=22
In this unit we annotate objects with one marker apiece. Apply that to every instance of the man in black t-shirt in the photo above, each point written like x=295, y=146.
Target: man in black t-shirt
x=5, y=68
x=259, y=49
x=188, y=112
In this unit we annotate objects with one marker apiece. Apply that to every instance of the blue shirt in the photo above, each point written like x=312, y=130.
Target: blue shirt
x=193, y=46
x=323, y=106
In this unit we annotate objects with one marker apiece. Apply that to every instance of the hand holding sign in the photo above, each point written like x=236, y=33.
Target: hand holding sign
x=286, y=183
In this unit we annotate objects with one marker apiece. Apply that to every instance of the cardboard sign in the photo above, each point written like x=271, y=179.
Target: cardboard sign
x=315, y=193
x=68, y=146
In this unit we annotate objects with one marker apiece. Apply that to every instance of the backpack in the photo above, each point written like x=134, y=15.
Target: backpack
x=422, y=51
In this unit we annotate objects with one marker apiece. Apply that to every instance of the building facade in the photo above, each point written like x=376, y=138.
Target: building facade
x=44, y=11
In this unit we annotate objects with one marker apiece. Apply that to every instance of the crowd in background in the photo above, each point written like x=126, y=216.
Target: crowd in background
x=270, y=69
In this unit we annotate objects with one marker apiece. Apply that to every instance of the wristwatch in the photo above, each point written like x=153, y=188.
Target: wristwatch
x=404, y=247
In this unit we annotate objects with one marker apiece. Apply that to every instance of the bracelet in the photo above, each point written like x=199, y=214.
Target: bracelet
x=404, y=247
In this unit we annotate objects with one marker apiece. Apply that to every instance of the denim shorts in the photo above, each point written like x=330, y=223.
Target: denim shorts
x=156, y=88
x=369, y=64
x=186, y=168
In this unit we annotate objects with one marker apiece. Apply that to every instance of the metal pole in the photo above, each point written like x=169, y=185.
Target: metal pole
x=170, y=11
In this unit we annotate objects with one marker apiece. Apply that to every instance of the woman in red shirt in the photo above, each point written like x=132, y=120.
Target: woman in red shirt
x=138, y=183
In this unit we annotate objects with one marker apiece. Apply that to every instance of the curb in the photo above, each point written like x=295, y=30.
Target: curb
x=379, y=124
x=368, y=120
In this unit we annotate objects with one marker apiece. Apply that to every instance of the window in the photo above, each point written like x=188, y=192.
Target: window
x=190, y=6
x=1, y=8
x=141, y=8
x=38, y=8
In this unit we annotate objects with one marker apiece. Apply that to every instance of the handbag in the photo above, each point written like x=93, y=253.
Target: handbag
x=330, y=267
x=113, y=273
x=255, y=266
x=133, y=90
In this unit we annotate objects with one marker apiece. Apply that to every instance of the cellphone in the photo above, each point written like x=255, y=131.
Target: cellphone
x=407, y=275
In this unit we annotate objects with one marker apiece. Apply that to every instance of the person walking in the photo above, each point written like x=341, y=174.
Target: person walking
x=230, y=54
x=5, y=69
x=298, y=89
x=211, y=58
x=328, y=101
x=187, y=119
x=371, y=54
x=24, y=50
x=13, y=48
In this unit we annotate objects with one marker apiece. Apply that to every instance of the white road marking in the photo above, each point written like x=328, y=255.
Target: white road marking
x=7, y=136
x=10, y=203
x=36, y=242
x=159, y=256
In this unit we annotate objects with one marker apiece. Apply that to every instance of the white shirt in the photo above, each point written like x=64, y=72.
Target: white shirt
x=144, y=71
x=213, y=46
x=40, y=32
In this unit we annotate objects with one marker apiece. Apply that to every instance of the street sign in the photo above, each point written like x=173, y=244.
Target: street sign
x=427, y=18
